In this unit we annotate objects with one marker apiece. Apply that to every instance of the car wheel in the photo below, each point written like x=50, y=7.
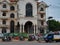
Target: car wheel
x=46, y=41
x=50, y=41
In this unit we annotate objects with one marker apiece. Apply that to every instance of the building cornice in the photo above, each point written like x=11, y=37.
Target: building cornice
x=5, y=1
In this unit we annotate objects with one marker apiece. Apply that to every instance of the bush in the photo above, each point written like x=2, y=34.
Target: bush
x=24, y=35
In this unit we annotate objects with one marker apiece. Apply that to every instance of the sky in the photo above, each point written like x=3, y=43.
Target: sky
x=53, y=9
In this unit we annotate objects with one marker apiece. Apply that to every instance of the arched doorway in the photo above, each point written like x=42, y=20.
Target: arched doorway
x=12, y=26
x=29, y=28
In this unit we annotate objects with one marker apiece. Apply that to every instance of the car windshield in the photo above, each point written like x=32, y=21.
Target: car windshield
x=46, y=35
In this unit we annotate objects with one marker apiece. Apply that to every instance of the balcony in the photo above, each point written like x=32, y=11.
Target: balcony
x=13, y=18
x=42, y=26
x=42, y=18
x=3, y=25
x=13, y=1
x=39, y=18
x=4, y=17
x=4, y=9
x=41, y=12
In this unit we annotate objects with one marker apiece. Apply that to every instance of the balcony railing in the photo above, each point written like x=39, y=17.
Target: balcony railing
x=41, y=18
x=5, y=9
x=13, y=0
x=3, y=25
x=4, y=17
x=41, y=12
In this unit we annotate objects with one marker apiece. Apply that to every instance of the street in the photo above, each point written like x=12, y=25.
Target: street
x=27, y=43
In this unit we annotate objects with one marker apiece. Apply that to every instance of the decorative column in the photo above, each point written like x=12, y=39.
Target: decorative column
x=0, y=30
x=20, y=28
x=8, y=31
x=45, y=31
x=34, y=28
x=37, y=29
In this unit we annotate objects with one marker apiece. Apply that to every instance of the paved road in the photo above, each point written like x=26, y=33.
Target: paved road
x=27, y=43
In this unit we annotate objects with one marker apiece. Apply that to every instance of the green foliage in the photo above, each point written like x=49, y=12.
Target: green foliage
x=19, y=34
x=53, y=25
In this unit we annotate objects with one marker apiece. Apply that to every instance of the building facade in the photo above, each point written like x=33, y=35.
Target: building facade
x=22, y=16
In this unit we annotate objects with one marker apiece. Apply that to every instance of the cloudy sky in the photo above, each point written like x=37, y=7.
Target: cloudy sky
x=54, y=8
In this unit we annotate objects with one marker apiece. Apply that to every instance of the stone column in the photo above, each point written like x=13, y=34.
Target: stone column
x=8, y=31
x=37, y=29
x=0, y=30
x=45, y=30
x=34, y=29
x=20, y=28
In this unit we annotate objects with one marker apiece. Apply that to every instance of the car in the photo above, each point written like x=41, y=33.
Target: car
x=52, y=37
x=48, y=37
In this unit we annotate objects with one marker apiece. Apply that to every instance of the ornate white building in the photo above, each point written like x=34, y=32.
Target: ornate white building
x=22, y=16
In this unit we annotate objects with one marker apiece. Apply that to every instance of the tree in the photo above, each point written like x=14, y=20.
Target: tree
x=50, y=17
x=53, y=25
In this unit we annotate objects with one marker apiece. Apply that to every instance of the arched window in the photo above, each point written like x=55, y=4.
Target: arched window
x=41, y=9
x=42, y=15
x=12, y=15
x=4, y=5
x=4, y=14
x=42, y=22
x=4, y=21
x=12, y=8
x=29, y=10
